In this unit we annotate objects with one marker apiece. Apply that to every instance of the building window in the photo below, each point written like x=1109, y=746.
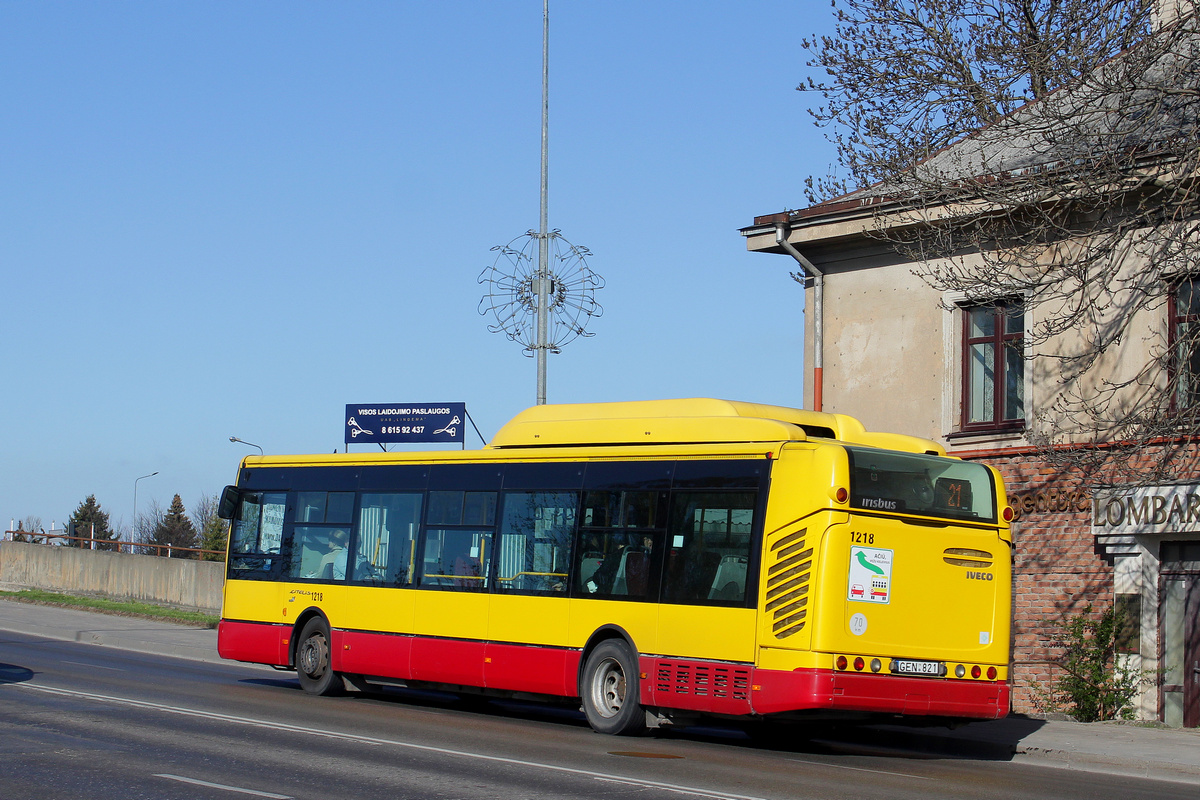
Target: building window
x=1185, y=340
x=993, y=367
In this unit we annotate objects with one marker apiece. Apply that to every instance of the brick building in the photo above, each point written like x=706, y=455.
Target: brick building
x=883, y=345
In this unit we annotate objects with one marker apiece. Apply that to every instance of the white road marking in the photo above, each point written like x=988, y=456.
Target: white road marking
x=676, y=790
x=239, y=789
x=372, y=740
x=93, y=666
x=860, y=769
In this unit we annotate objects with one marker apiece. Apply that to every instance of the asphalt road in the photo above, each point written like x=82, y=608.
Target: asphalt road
x=79, y=721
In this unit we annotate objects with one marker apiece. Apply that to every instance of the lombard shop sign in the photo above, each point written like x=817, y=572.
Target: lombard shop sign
x=390, y=423
x=1146, y=510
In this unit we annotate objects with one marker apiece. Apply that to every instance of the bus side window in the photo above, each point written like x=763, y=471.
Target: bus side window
x=619, y=564
x=457, y=549
x=457, y=559
x=536, y=531
x=708, y=547
x=387, y=536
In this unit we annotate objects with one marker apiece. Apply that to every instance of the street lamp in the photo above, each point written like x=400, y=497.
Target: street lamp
x=133, y=525
x=243, y=441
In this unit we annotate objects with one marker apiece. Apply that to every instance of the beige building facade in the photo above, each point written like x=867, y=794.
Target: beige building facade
x=881, y=345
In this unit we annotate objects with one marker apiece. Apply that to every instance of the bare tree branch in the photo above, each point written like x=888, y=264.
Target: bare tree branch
x=1083, y=203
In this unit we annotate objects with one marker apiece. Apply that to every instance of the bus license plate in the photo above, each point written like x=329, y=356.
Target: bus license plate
x=907, y=667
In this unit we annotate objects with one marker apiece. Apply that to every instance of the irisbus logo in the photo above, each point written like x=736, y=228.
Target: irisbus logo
x=879, y=503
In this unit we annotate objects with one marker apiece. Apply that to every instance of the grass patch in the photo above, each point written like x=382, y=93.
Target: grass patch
x=120, y=608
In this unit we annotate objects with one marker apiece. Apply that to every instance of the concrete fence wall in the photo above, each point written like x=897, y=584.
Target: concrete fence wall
x=179, y=582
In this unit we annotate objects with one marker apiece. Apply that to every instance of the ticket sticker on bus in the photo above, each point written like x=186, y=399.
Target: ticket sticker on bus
x=870, y=575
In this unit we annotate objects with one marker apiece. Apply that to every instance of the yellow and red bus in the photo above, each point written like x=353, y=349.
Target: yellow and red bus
x=659, y=560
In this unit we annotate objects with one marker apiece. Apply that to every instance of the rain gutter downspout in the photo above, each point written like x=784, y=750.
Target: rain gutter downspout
x=810, y=271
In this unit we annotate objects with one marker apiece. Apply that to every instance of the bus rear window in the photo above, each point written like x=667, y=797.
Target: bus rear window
x=928, y=486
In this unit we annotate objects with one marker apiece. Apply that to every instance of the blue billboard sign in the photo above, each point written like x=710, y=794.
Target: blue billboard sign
x=389, y=423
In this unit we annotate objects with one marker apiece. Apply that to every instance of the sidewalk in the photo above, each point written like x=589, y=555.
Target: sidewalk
x=1111, y=748
x=123, y=633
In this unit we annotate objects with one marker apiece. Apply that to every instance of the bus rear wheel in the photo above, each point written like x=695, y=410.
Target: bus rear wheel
x=609, y=689
x=313, y=666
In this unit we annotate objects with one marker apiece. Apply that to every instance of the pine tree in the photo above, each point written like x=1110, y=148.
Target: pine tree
x=214, y=536
x=90, y=523
x=175, y=530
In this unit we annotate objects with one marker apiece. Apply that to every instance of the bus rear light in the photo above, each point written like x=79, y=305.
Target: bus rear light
x=841, y=662
x=960, y=671
x=976, y=671
x=859, y=664
x=876, y=665
x=992, y=673
x=1008, y=514
x=841, y=494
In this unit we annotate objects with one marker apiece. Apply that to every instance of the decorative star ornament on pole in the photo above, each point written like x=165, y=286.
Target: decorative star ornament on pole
x=546, y=306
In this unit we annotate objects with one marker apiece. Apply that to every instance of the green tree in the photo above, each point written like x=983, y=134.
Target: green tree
x=1096, y=684
x=213, y=531
x=175, y=530
x=90, y=523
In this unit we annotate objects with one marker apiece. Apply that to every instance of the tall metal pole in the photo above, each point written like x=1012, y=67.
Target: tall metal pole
x=543, y=272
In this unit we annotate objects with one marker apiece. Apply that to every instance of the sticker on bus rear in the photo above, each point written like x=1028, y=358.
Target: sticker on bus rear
x=870, y=575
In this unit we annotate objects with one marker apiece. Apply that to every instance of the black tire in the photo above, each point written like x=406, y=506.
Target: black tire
x=609, y=687
x=313, y=666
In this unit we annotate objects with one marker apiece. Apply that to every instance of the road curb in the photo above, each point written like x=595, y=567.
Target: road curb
x=189, y=652
x=1108, y=764
x=965, y=743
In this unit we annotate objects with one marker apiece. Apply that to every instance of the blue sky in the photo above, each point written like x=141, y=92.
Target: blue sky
x=232, y=219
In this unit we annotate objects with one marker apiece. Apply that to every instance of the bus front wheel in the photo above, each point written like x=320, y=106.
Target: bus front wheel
x=610, y=692
x=313, y=666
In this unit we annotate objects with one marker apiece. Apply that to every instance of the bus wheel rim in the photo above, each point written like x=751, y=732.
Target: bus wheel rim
x=608, y=687
x=314, y=656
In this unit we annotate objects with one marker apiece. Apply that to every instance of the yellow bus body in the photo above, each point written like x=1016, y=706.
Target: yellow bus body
x=926, y=634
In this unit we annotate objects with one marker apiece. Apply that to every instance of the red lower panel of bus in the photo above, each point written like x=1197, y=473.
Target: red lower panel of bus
x=694, y=685
x=494, y=665
x=777, y=691
x=260, y=643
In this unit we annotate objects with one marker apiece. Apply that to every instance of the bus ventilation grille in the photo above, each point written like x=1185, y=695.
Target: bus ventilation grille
x=699, y=680
x=787, y=583
x=965, y=557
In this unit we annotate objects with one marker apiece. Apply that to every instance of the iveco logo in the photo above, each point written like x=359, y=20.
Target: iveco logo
x=979, y=576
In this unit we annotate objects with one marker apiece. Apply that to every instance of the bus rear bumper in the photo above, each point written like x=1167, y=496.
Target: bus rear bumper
x=777, y=691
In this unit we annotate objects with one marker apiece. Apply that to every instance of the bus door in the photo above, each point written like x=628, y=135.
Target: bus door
x=706, y=618
x=706, y=590
x=254, y=613
x=451, y=618
x=527, y=623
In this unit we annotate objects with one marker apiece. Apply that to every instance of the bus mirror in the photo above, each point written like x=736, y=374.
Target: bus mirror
x=229, y=502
